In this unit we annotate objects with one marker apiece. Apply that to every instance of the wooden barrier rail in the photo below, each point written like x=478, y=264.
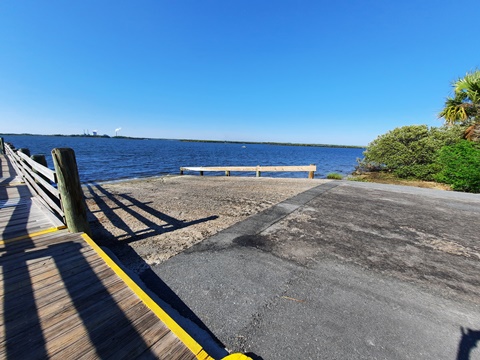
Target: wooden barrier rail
x=258, y=169
x=59, y=190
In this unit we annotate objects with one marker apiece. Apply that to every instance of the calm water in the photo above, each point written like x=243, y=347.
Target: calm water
x=102, y=159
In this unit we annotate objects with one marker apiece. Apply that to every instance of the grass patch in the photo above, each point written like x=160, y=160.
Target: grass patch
x=334, y=176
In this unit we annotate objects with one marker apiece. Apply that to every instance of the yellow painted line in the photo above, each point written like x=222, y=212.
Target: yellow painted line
x=189, y=342
x=32, y=235
x=237, y=356
x=12, y=184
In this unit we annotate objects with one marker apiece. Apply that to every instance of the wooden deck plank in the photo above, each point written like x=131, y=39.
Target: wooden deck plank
x=53, y=296
x=14, y=192
x=135, y=313
x=100, y=324
x=57, y=339
x=57, y=315
x=40, y=242
x=48, y=277
x=22, y=259
x=151, y=334
x=78, y=306
x=53, y=314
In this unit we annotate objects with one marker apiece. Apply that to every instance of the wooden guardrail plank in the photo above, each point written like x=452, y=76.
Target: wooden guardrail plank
x=49, y=174
x=251, y=168
x=45, y=184
x=18, y=160
x=258, y=169
x=31, y=183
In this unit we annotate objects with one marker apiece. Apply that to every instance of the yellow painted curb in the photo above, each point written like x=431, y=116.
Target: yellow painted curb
x=189, y=342
x=237, y=356
x=32, y=235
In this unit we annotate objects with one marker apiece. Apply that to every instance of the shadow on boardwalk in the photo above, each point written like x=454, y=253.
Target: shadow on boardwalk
x=154, y=223
x=48, y=287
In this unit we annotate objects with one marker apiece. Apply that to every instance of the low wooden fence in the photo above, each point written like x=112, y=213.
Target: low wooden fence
x=257, y=169
x=59, y=190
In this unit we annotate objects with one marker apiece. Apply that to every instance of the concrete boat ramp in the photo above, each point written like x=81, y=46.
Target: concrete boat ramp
x=345, y=270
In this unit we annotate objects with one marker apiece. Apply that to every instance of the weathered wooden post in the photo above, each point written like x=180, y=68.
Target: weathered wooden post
x=71, y=194
x=25, y=151
x=227, y=173
x=24, y=164
x=2, y=146
x=201, y=172
x=40, y=158
x=311, y=174
x=258, y=171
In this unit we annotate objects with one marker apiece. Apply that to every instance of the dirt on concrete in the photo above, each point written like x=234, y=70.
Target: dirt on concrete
x=159, y=217
x=428, y=240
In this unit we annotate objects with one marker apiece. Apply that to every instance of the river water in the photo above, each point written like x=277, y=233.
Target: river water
x=105, y=159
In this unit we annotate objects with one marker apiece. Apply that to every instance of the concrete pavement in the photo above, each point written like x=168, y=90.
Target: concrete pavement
x=342, y=271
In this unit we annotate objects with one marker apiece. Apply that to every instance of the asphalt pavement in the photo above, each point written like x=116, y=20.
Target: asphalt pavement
x=345, y=270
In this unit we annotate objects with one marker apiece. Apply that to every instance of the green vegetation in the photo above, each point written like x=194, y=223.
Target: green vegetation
x=464, y=106
x=334, y=176
x=410, y=151
x=460, y=166
x=440, y=154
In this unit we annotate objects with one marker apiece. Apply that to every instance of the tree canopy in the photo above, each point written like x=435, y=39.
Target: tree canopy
x=464, y=106
x=410, y=151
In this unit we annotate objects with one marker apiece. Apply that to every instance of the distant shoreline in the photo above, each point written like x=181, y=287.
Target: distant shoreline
x=275, y=143
x=200, y=141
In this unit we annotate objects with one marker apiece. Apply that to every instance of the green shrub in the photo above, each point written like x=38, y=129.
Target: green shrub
x=460, y=164
x=418, y=171
x=410, y=151
x=334, y=176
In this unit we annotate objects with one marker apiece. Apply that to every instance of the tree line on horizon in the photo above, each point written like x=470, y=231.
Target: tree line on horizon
x=449, y=154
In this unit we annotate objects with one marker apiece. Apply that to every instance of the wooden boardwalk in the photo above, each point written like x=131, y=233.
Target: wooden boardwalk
x=63, y=297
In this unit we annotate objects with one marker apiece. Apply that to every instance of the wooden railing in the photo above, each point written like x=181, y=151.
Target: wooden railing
x=257, y=169
x=58, y=190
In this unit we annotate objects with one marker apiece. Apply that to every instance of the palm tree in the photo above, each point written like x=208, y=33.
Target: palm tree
x=464, y=106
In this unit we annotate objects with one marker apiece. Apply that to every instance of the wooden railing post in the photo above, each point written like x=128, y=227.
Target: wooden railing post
x=39, y=158
x=2, y=146
x=25, y=151
x=71, y=194
x=258, y=171
x=311, y=174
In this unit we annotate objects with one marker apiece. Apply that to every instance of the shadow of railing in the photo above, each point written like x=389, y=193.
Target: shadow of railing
x=35, y=298
x=165, y=224
x=15, y=271
x=8, y=177
x=119, y=245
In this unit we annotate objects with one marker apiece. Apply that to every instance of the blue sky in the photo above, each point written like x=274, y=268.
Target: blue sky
x=334, y=72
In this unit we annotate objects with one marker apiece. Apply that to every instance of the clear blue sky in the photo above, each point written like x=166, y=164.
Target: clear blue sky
x=335, y=72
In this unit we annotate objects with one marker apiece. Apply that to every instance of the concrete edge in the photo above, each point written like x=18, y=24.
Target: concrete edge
x=155, y=307
x=257, y=223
